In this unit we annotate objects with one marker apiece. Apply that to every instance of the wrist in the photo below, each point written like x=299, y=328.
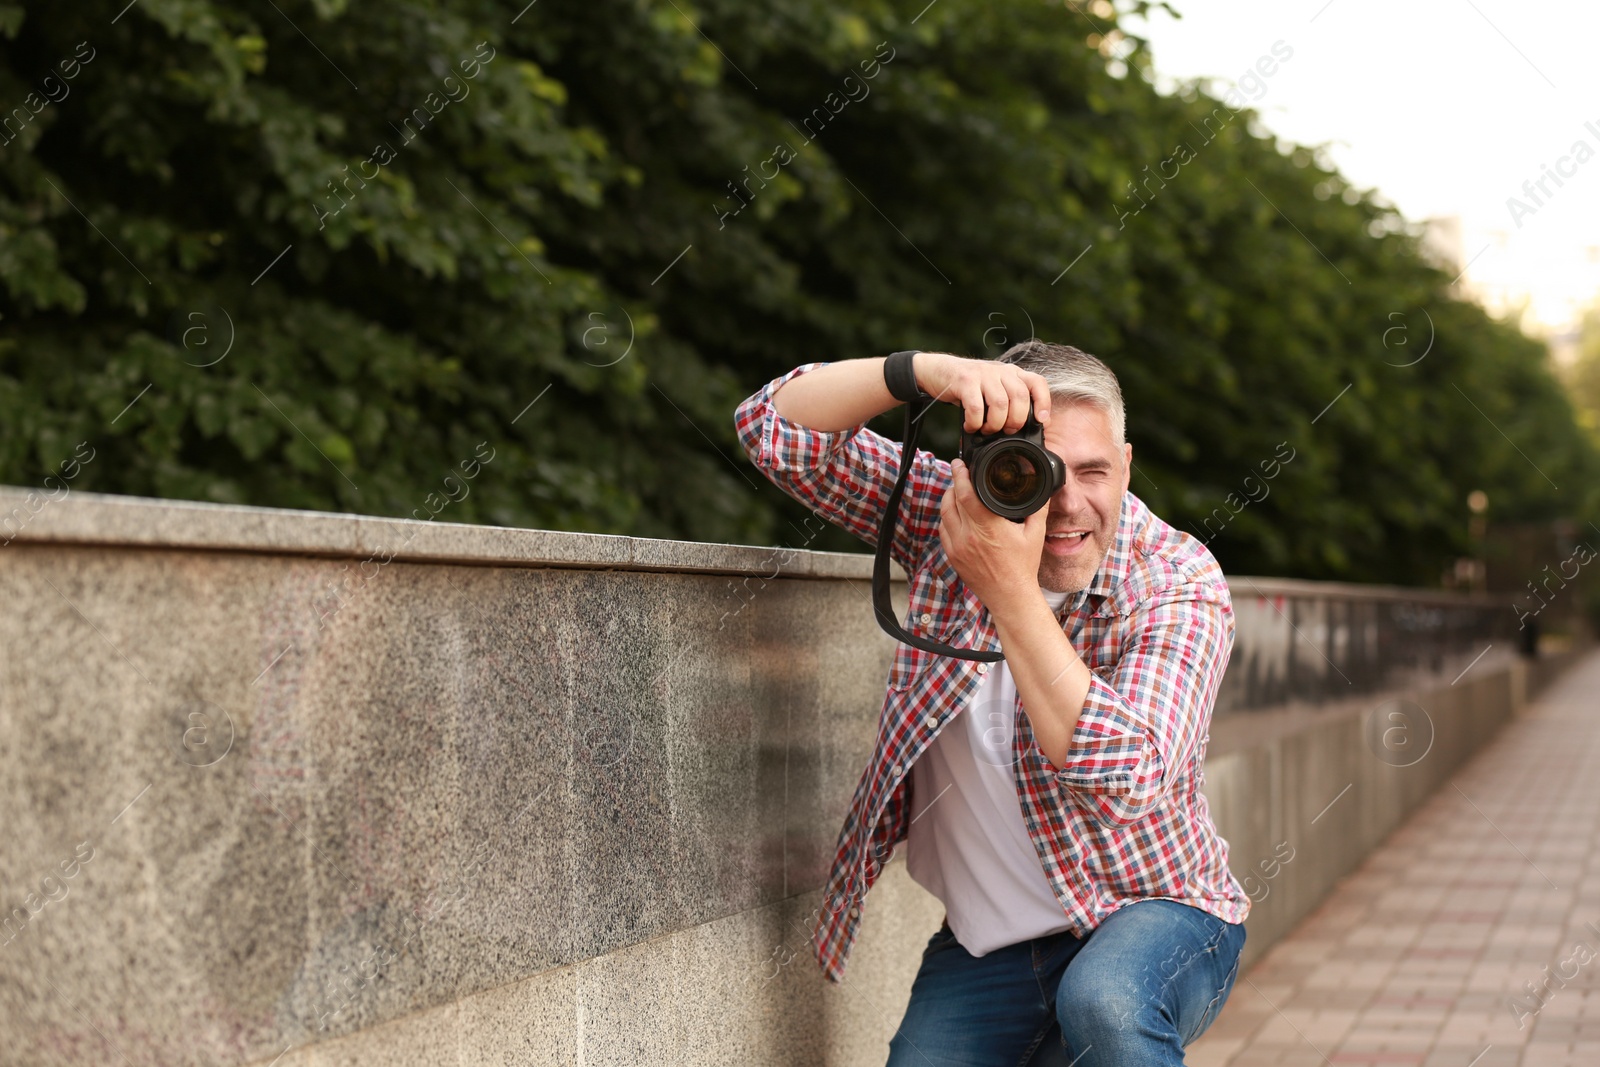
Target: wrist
x=900, y=377
x=1015, y=607
x=928, y=367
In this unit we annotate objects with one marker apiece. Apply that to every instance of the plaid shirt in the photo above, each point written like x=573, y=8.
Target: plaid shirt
x=1124, y=818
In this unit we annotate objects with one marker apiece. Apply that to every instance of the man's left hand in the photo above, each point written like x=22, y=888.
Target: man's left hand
x=998, y=559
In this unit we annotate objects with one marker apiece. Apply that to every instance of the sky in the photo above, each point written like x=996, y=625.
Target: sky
x=1445, y=107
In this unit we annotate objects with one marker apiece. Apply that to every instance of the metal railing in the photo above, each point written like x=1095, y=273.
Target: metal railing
x=1301, y=642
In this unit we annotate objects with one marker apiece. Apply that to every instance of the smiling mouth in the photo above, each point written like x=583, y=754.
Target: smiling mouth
x=1066, y=543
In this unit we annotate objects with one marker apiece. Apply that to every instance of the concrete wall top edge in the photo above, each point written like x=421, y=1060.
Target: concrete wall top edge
x=109, y=519
x=1240, y=586
x=30, y=515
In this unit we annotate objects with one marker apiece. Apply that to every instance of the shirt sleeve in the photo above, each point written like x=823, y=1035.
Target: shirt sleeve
x=1139, y=729
x=845, y=476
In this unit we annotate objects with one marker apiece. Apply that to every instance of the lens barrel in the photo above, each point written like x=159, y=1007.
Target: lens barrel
x=1013, y=473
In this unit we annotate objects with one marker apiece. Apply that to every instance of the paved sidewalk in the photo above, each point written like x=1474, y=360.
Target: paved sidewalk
x=1415, y=956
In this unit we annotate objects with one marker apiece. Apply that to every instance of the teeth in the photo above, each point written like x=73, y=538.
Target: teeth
x=1081, y=534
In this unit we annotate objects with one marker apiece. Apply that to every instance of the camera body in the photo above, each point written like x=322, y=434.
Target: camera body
x=1014, y=473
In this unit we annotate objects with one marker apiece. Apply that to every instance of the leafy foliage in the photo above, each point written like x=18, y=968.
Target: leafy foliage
x=411, y=221
x=1583, y=376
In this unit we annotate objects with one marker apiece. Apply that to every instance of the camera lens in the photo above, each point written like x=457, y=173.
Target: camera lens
x=1012, y=478
x=1013, y=473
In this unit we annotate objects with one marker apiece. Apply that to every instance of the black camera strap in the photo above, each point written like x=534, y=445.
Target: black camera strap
x=880, y=567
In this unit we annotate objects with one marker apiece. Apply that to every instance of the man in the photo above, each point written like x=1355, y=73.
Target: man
x=1090, y=915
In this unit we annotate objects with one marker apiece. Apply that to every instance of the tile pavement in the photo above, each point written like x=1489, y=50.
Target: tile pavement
x=1415, y=957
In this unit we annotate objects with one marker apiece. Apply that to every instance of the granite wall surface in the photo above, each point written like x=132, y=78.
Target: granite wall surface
x=300, y=788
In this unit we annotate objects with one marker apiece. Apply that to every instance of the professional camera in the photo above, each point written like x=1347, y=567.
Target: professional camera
x=1014, y=474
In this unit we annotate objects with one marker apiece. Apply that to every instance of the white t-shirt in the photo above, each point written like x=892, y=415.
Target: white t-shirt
x=967, y=844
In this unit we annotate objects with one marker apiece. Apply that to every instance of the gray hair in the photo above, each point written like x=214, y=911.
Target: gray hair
x=1075, y=377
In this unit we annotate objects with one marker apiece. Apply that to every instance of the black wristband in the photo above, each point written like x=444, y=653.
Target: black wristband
x=901, y=377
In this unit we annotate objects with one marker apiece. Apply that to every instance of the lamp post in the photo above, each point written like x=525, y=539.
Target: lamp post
x=1477, y=533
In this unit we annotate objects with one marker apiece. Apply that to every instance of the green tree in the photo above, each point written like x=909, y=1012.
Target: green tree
x=1583, y=377
x=724, y=188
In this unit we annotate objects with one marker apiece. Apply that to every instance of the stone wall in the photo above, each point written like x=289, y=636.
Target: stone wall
x=298, y=788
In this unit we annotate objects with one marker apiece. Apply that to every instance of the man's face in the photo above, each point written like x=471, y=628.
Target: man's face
x=1088, y=503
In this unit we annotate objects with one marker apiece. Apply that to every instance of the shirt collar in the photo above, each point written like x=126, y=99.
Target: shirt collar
x=1113, y=570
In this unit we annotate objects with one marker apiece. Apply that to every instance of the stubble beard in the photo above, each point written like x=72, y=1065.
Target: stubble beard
x=1073, y=575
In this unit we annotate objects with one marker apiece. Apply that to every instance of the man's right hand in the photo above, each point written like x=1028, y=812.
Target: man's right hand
x=995, y=396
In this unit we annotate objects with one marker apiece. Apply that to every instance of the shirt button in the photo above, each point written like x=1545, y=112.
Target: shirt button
x=855, y=912
x=983, y=668
x=898, y=770
x=927, y=617
x=931, y=721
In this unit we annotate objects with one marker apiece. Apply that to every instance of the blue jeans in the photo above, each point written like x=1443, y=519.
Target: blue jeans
x=1145, y=983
